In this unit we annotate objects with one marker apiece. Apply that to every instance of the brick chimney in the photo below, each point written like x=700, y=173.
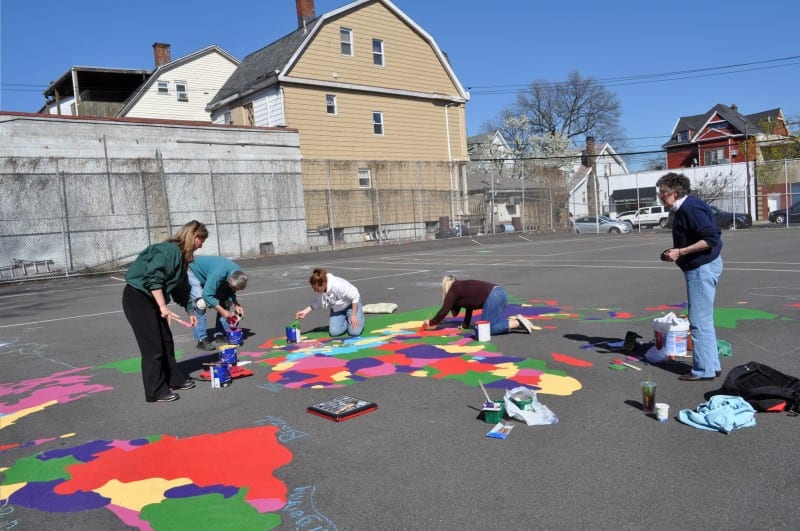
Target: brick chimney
x=161, y=53
x=735, y=107
x=305, y=12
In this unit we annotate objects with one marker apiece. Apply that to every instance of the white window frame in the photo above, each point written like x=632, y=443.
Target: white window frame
x=182, y=95
x=346, y=41
x=712, y=157
x=364, y=178
x=377, y=123
x=162, y=87
x=378, y=57
x=330, y=104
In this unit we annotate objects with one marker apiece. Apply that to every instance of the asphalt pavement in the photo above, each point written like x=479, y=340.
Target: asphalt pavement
x=80, y=447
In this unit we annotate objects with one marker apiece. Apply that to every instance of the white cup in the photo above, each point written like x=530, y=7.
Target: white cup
x=662, y=411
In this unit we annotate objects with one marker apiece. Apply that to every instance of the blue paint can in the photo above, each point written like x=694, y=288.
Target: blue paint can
x=220, y=375
x=292, y=334
x=227, y=355
x=235, y=336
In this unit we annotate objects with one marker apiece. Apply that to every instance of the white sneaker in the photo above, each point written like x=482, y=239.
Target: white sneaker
x=525, y=322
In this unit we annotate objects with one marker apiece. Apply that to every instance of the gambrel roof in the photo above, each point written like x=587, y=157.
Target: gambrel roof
x=271, y=64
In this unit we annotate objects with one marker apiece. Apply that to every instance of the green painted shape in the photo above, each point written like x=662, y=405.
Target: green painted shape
x=208, y=512
x=130, y=365
x=32, y=470
x=728, y=317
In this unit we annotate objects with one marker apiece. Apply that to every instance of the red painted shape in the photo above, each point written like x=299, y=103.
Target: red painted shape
x=569, y=360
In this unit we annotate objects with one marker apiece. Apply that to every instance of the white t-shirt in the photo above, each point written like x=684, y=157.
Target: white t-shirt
x=339, y=295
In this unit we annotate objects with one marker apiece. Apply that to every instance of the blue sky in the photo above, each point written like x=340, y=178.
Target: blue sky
x=495, y=47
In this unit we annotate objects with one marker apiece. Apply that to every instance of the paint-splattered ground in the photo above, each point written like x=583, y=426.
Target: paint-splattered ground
x=78, y=439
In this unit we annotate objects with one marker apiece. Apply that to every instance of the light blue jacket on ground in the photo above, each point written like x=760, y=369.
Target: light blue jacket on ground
x=723, y=413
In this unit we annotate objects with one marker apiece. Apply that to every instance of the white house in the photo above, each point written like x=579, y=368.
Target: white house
x=608, y=164
x=181, y=89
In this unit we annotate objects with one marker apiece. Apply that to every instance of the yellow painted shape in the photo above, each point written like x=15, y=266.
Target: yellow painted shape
x=461, y=349
x=137, y=494
x=284, y=366
x=11, y=418
x=552, y=384
x=341, y=376
x=7, y=490
x=506, y=370
x=419, y=374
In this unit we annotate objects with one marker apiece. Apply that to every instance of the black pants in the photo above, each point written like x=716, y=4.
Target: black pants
x=159, y=368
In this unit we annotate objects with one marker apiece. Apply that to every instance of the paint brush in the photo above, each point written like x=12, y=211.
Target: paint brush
x=176, y=317
x=620, y=362
x=489, y=401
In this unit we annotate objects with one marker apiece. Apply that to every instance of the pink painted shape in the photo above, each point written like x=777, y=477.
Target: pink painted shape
x=130, y=517
x=569, y=360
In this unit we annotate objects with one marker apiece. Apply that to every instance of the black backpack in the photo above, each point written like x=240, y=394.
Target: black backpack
x=765, y=388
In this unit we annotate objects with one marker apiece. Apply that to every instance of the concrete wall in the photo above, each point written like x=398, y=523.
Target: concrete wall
x=92, y=193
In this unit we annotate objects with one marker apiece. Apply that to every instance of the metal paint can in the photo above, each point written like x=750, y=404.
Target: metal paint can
x=235, y=336
x=484, y=331
x=220, y=375
x=227, y=354
x=292, y=334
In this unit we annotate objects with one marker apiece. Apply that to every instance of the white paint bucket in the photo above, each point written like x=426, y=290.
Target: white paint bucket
x=484, y=333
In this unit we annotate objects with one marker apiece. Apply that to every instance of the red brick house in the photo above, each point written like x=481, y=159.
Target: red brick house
x=718, y=136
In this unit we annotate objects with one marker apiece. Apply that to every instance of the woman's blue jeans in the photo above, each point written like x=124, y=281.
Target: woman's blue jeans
x=701, y=287
x=339, y=322
x=196, y=292
x=492, y=311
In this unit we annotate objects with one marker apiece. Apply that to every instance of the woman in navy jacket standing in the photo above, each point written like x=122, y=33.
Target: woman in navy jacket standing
x=697, y=243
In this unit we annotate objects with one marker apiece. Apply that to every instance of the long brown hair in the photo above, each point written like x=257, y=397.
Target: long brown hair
x=185, y=239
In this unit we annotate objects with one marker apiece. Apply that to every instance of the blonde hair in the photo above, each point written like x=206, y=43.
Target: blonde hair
x=185, y=239
x=447, y=281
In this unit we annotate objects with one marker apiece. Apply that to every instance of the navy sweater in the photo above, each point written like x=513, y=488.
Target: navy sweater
x=694, y=221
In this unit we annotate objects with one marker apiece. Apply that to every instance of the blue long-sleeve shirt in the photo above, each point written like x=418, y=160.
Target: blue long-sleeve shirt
x=694, y=221
x=213, y=273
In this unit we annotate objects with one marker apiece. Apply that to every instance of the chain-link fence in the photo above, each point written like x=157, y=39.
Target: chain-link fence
x=80, y=216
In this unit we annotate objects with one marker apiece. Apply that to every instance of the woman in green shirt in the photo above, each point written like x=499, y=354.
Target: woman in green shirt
x=158, y=273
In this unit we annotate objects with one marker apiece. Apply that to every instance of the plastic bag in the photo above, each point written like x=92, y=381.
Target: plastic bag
x=537, y=415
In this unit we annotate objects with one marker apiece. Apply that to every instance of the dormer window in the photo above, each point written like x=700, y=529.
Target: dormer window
x=683, y=136
x=718, y=125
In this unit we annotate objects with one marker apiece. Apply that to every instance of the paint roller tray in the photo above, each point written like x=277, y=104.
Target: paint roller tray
x=236, y=372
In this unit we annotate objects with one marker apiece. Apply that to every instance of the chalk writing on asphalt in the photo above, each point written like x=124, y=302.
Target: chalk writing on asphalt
x=6, y=510
x=285, y=433
x=10, y=347
x=300, y=508
x=274, y=387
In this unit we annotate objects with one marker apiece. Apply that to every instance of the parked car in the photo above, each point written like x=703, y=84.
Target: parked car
x=649, y=216
x=725, y=219
x=593, y=224
x=779, y=216
x=626, y=217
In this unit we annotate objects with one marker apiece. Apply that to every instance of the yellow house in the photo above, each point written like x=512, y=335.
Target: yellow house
x=380, y=114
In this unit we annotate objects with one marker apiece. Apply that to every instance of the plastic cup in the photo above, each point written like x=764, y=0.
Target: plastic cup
x=662, y=411
x=648, y=397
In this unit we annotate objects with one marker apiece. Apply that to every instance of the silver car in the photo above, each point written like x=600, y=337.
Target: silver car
x=598, y=224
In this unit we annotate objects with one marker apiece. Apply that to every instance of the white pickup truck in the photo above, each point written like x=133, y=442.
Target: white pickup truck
x=647, y=217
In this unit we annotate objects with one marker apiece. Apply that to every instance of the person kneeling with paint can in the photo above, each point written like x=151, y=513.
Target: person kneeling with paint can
x=473, y=295
x=341, y=298
x=214, y=281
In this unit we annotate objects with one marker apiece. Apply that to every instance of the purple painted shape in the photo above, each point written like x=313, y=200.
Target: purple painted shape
x=189, y=491
x=83, y=453
x=41, y=496
x=363, y=363
x=430, y=352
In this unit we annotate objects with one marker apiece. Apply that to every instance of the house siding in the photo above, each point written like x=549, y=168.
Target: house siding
x=410, y=63
x=414, y=129
x=203, y=77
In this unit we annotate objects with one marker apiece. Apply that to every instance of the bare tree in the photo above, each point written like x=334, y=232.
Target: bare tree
x=713, y=187
x=577, y=107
